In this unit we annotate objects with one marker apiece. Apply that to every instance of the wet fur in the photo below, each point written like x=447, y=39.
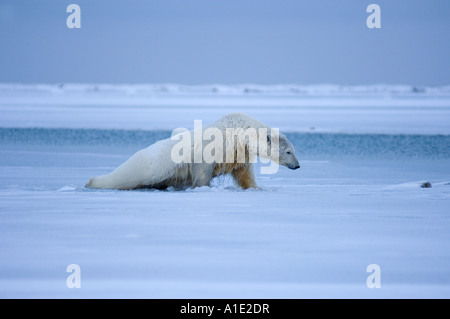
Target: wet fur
x=153, y=167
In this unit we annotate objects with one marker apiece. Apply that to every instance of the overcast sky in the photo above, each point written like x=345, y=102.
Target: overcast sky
x=227, y=42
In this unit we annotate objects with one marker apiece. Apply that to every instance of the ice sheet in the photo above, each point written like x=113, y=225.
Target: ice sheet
x=315, y=108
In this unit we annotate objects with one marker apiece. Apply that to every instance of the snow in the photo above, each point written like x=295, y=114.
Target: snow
x=311, y=233
x=362, y=109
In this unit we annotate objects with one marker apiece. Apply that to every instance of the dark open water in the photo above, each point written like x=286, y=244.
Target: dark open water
x=309, y=145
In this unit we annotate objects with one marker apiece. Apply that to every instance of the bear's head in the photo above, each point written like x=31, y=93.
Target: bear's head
x=286, y=151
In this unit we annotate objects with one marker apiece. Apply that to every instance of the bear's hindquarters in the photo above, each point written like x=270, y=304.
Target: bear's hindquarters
x=145, y=168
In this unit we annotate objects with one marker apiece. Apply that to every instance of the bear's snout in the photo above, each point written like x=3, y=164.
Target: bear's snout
x=294, y=167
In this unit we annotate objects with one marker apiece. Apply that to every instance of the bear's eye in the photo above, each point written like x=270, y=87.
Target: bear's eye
x=288, y=152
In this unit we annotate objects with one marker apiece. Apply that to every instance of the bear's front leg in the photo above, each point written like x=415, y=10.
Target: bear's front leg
x=244, y=176
x=201, y=174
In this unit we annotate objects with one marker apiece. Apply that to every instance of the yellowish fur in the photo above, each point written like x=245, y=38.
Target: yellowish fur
x=154, y=167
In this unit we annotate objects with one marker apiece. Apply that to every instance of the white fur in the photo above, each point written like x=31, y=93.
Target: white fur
x=145, y=167
x=153, y=166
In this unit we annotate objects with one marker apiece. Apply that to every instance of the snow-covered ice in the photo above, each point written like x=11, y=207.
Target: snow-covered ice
x=356, y=200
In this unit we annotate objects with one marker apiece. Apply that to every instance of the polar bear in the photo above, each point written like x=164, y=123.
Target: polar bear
x=156, y=166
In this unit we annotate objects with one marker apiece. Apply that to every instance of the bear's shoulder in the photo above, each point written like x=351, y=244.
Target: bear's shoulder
x=238, y=120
